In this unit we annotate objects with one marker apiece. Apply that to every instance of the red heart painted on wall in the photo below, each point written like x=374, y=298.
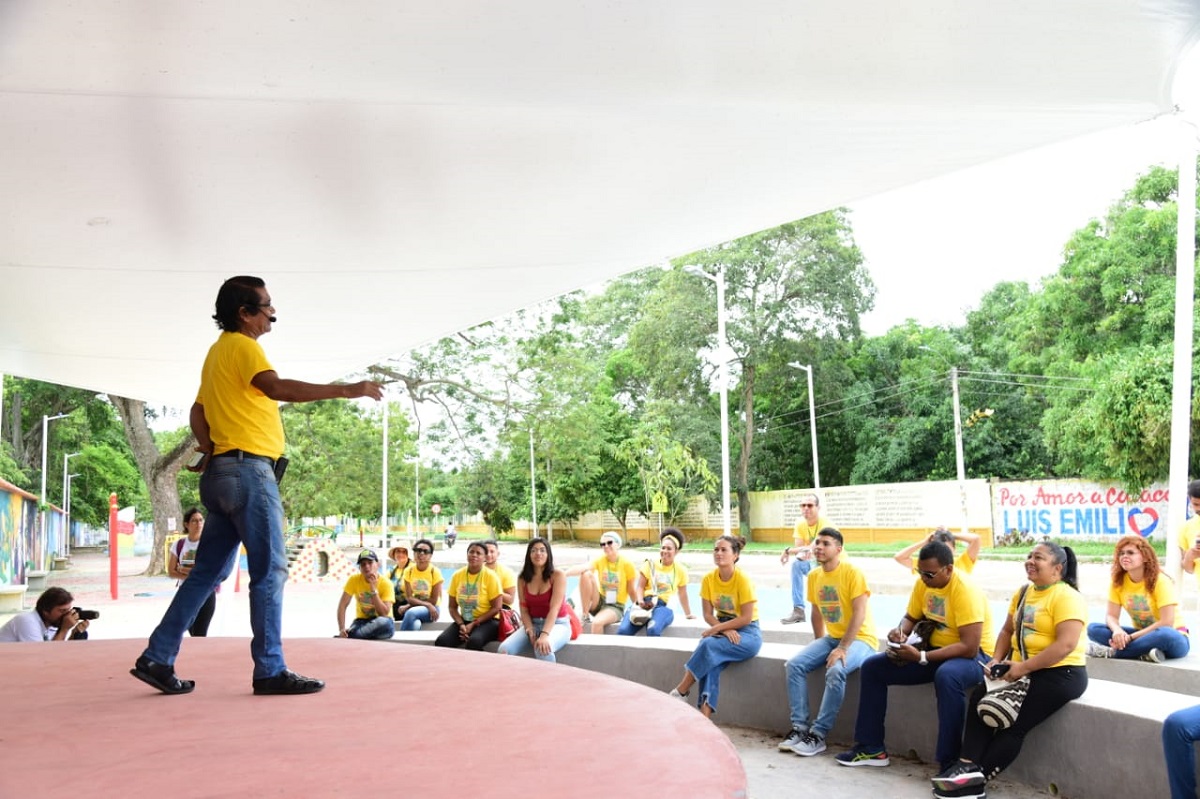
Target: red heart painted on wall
x=1142, y=520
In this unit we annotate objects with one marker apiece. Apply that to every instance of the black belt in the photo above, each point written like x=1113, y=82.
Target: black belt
x=242, y=455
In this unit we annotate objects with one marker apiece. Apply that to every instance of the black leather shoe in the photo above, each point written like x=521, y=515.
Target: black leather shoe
x=287, y=682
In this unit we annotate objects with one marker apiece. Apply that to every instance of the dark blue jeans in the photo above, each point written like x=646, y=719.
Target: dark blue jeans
x=242, y=499
x=1180, y=732
x=951, y=680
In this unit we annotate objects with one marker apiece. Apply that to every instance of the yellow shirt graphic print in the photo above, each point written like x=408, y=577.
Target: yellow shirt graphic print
x=468, y=599
x=935, y=608
x=831, y=607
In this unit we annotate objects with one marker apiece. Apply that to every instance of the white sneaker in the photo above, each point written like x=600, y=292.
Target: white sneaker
x=675, y=693
x=1154, y=656
x=811, y=744
x=1095, y=650
x=794, y=737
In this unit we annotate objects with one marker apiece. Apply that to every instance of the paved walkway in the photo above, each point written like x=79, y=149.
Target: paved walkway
x=310, y=613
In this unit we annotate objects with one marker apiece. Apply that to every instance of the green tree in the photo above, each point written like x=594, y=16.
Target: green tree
x=802, y=280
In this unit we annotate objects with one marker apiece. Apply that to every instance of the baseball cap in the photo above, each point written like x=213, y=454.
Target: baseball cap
x=367, y=554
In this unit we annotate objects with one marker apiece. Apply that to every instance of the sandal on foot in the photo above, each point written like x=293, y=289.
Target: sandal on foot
x=287, y=682
x=161, y=676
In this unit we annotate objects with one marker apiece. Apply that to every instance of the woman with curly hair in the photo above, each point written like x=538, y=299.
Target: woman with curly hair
x=1150, y=599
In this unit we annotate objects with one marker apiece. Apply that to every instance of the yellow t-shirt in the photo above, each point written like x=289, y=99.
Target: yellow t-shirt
x=239, y=416
x=1188, y=532
x=421, y=583
x=804, y=533
x=833, y=592
x=662, y=581
x=1187, y=536
x=1045, y=609
x=958, y=602
x=615, y=576
x=474, y=593
x=963, y=562
x=1142, y=605
x=508, y=579
x=727, y=598
x=358, y=587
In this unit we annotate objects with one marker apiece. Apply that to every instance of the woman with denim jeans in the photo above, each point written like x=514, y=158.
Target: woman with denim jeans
x=733, y=635
x=657, y=582
x=422, y=588
x=1150, y=599
x=545, y=619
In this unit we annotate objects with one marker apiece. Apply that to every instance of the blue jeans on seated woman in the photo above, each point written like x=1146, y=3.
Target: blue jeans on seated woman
x=518, y=642
x=716, y=652
x=413, y=617
x=1171, y=642
x=661, y=617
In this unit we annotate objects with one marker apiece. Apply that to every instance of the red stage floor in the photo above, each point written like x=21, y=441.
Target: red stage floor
x=406, y=720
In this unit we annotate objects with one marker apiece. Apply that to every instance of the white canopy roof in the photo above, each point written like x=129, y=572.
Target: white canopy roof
x=397, y=171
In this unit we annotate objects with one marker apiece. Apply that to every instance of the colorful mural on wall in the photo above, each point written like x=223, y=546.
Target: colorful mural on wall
x=20, y=543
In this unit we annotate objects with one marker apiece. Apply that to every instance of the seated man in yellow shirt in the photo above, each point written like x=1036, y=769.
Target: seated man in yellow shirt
x=960, y=643
x=373, y=597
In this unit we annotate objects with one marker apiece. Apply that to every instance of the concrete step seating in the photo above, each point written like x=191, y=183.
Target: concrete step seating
x=1106, y=744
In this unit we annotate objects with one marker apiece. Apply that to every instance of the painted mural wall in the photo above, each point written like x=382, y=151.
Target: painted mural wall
x=22, y=546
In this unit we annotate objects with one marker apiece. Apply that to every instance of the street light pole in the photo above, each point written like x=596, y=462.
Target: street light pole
x=812, y=421
x=46, y=420
x=67, y=534
x=960, y=466
x=67, y=509
x=723, y=379
x=383, y=525
x=532, y=484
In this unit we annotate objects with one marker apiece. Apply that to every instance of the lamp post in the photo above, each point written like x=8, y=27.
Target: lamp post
x=723, y=379
x=67, y=509
x=383, y=525
x=46, y=420
x=959, y=463
x=532, y=485
x=812, y=420
x=67, y=534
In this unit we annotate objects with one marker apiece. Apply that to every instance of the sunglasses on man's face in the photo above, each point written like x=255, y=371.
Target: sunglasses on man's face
x=807, y=505
x=606, y=543
x=423, y=551
x=931, y=575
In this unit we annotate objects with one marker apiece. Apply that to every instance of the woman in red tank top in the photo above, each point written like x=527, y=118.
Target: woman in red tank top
x=545, y=619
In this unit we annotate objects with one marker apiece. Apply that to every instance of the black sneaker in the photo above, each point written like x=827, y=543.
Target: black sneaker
x=287, y=682
x=966, y=792
x=958, y=775
x=862, y=756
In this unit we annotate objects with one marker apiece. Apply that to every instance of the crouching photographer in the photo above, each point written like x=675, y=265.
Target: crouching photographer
x=54, y=618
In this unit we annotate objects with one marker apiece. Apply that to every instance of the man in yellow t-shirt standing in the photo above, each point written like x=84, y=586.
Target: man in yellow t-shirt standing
x=803, y=534
x=239, y=436
x=373, y=598
x=843, y=637
x=1189, y=532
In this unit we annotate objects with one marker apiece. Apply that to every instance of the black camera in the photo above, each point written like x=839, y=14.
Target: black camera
x=87, y=615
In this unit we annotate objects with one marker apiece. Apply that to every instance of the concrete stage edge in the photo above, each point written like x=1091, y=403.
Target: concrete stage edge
x=428, y=722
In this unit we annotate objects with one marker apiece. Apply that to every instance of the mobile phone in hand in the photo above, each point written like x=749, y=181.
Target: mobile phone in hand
x=196, y=460
x=999, y=670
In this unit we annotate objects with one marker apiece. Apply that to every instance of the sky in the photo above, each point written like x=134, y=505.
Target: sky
x=935, y=248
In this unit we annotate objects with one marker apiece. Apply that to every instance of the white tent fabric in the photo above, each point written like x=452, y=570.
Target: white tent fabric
x=397, y=171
